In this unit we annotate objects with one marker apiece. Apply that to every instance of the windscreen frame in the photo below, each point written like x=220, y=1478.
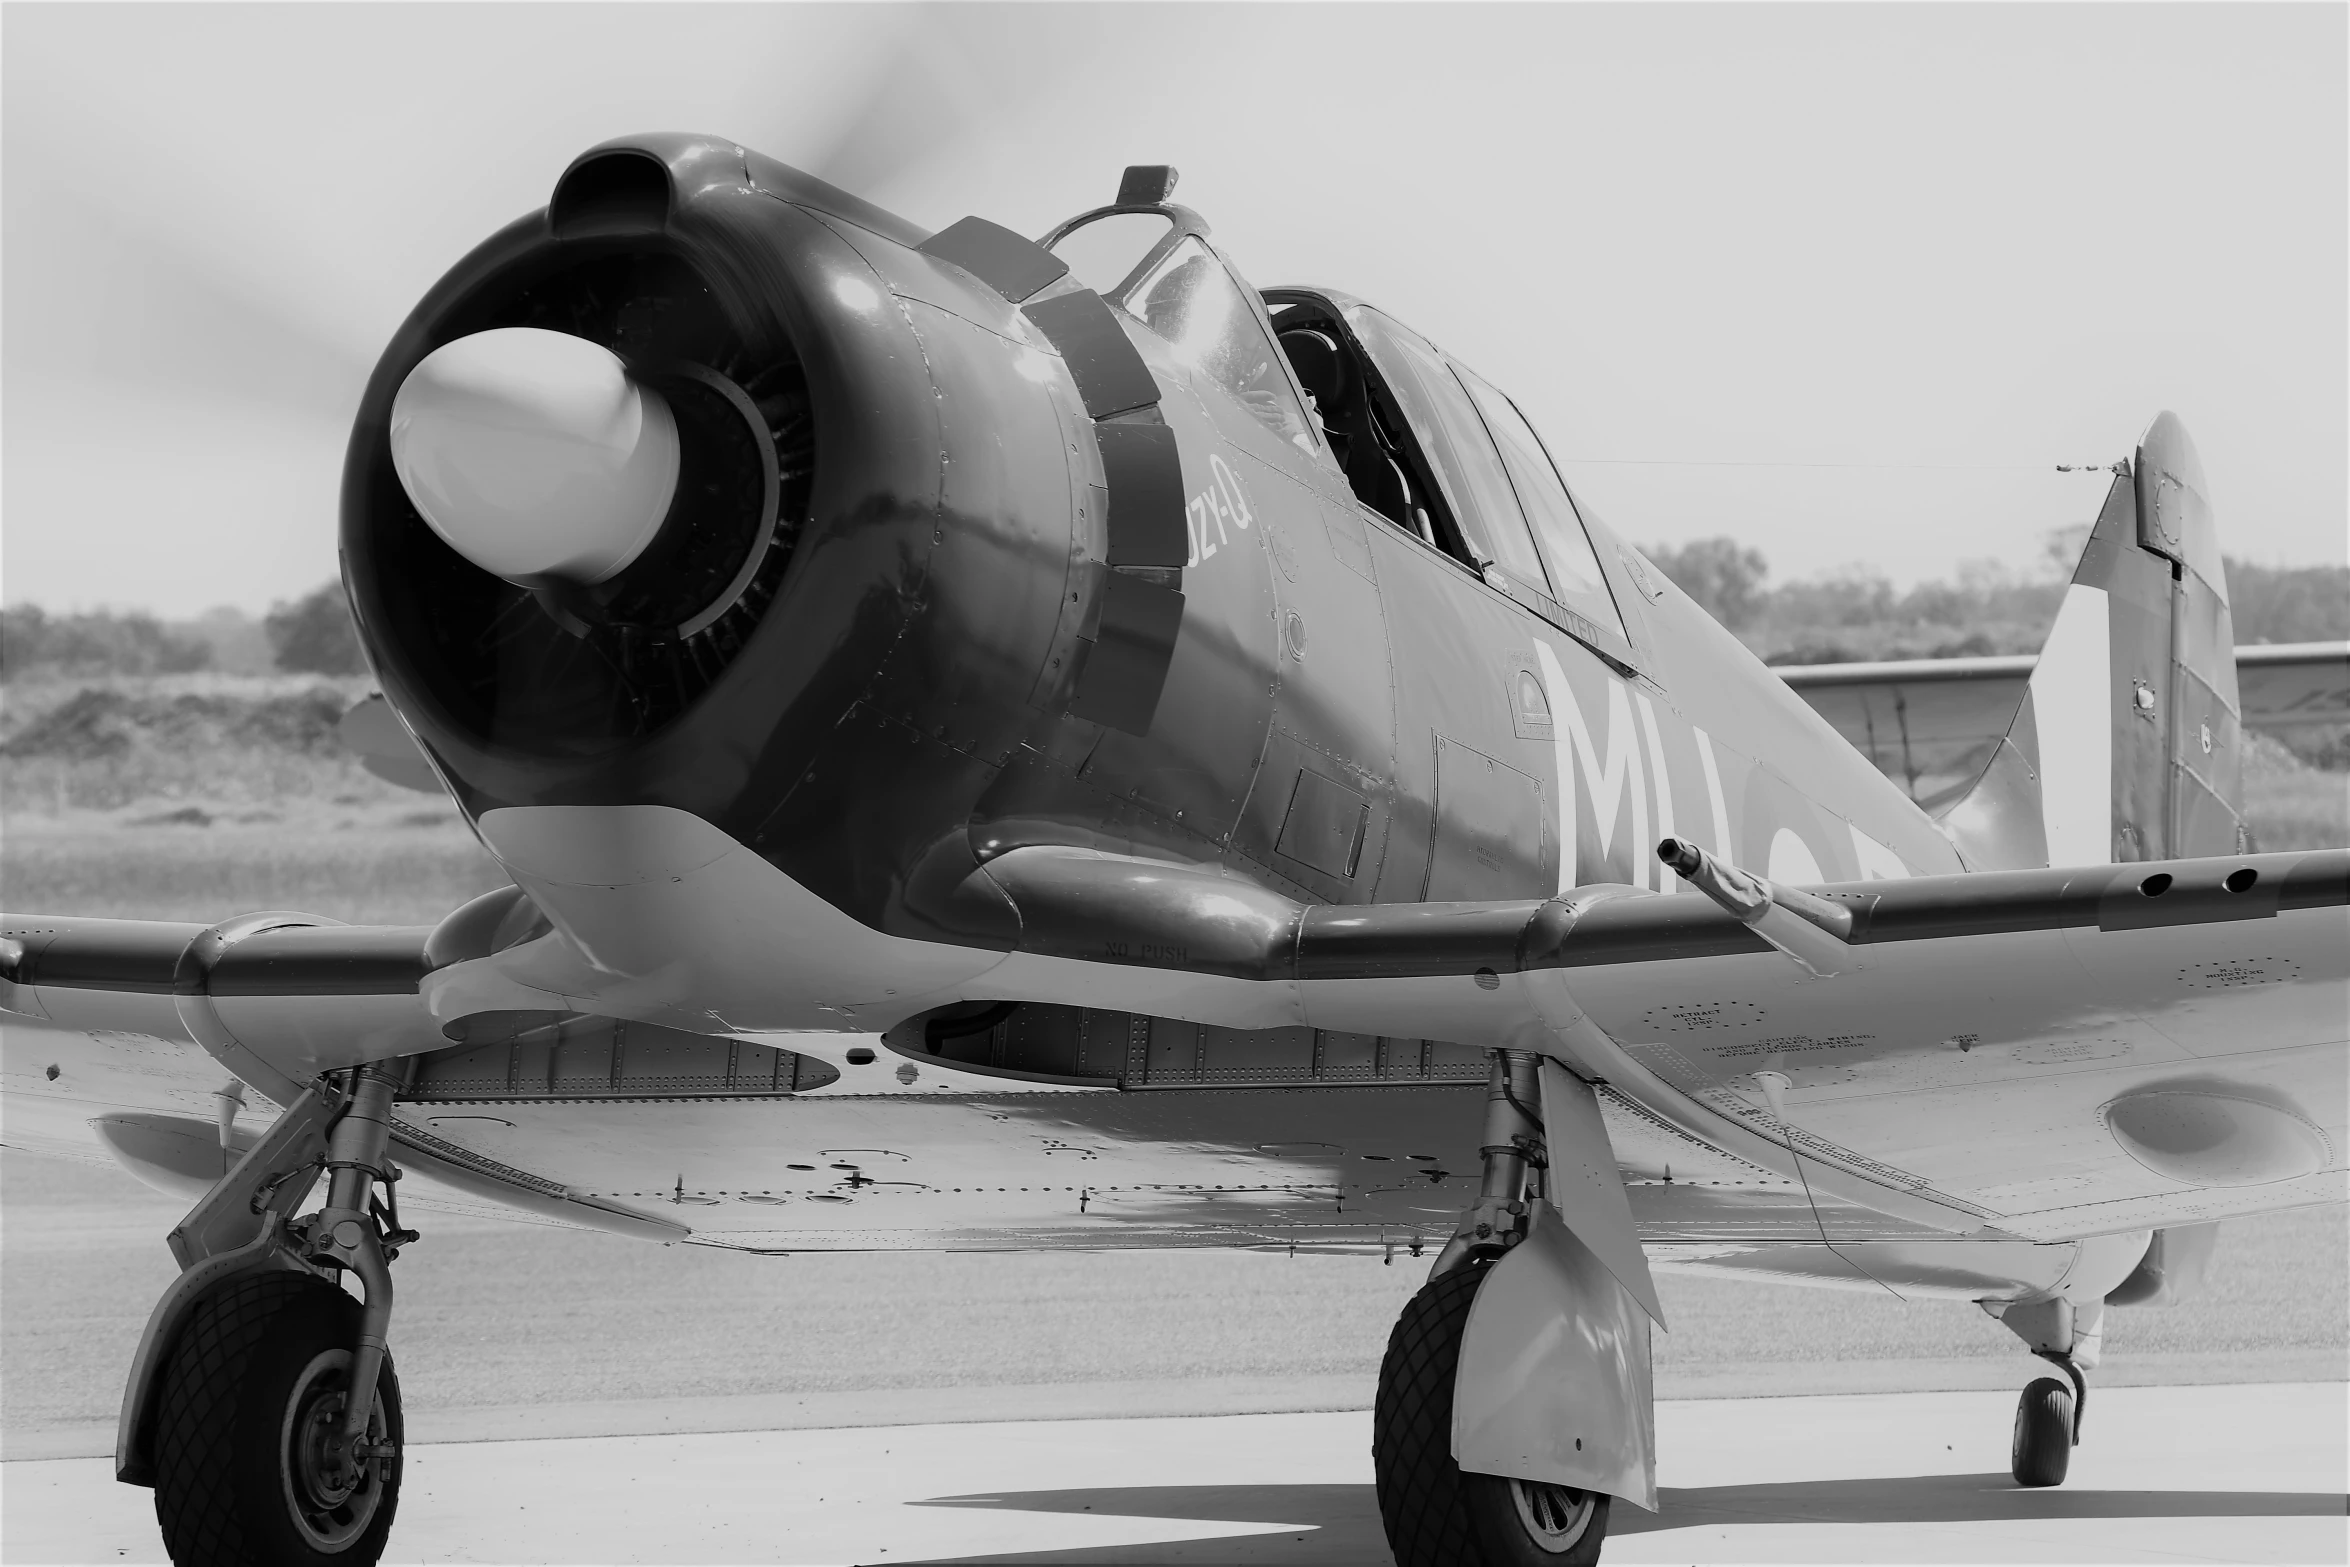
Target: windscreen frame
x=1187, y=224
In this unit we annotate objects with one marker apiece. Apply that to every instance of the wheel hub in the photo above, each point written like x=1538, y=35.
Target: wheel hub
x=1555, y=1516
x=331, y=1491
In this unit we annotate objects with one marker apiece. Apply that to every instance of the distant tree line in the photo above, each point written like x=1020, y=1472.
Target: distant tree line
x=309, y=635
x=1989, y=608
x=102, y=643
x=1857, y=615
x=2289, y=603
x=314, y=634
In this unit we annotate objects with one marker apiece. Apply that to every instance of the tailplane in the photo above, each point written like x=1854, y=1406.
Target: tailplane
x=2127, y=743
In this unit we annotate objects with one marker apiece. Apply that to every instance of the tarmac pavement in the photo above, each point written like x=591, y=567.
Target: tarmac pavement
x=2242, y=1473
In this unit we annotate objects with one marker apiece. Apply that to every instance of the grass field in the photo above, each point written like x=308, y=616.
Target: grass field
x=156, y=808
x=357, y=849
x=406, y=860
x=2290, y=805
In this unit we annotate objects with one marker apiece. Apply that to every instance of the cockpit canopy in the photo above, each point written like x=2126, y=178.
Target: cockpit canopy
x=1155, y=264
x=1422, y=440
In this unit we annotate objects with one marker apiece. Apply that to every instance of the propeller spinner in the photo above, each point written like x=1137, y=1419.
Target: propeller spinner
x=535, y=454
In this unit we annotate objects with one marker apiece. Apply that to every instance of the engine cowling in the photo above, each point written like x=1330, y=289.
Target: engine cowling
x=850, y=608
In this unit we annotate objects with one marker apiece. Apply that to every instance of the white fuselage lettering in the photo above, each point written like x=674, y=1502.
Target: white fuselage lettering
x=1609, y=769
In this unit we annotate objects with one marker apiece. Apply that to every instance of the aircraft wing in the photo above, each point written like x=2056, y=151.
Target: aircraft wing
x=131, y=1029
x=2037, y=1053
x=1931, y=724
x=1988, y=1060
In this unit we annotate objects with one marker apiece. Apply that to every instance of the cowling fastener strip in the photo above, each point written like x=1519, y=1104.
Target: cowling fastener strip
x=1124, y=667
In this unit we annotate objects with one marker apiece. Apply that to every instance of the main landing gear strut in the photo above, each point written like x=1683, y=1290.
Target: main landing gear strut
x=263, y=1407
x=1436, y=1514
x=2048, y=1416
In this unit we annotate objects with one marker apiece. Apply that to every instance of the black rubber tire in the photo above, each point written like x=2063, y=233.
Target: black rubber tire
x=2043, y=1447
x=1418, y=1484
x=221, y=1493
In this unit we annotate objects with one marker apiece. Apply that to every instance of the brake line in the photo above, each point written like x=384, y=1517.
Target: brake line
x=1774, y=1086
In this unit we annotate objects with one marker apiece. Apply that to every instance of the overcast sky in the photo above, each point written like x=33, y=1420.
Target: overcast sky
x=1843, y=282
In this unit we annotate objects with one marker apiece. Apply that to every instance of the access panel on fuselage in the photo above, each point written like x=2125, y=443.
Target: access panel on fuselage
x=1323, y=812
x=1455, y=645
x=1489, y=826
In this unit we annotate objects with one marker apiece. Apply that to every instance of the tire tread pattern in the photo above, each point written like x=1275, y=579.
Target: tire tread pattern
x=1420, y=1497
x=200, y=1479
x=2043, y=1449
x=196, y=1417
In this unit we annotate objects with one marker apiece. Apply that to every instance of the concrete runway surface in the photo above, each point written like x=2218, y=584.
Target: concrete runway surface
x=2180, y=1474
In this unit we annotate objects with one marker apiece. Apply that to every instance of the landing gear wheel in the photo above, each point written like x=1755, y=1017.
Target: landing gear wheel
x=2043, y=1448
x=1524, y=1523
x=248, y=1461
x=1435, y=1515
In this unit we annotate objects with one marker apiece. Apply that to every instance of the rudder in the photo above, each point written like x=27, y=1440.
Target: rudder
x=2127, y=745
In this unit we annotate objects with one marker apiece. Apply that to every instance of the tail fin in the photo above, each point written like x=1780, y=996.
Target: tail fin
x=2126, y=746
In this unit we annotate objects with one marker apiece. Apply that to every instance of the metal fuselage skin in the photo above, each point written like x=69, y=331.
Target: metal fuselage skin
x=900, y=711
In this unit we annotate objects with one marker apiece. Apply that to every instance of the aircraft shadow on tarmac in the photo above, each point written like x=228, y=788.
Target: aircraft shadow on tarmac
x=1340, y=1523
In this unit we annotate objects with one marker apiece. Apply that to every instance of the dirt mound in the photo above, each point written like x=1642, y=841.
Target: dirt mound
x=99, y=723
x=185, y=816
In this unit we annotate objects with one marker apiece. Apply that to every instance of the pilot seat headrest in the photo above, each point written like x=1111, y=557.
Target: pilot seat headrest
x=1321, y=366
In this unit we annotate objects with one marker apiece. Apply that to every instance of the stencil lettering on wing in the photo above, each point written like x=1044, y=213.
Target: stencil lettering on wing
x=1790, y=1044
x=1695, y=1016
x=2235, y=973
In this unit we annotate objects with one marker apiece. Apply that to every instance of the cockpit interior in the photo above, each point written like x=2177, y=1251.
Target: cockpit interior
x=1422, y=440
x=1361, y=421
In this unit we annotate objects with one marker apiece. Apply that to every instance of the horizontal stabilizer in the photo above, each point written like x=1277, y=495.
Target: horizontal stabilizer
x=2294, y=683
x=1930, y=724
